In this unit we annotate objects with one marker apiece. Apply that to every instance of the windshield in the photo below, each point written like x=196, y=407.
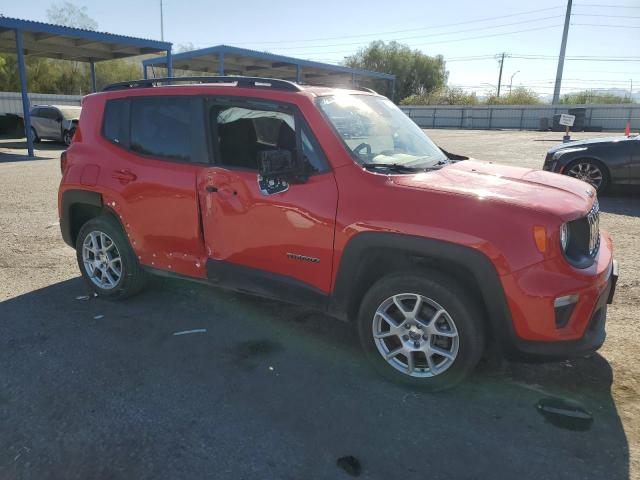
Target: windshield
x=377, y=132
x=70, y=113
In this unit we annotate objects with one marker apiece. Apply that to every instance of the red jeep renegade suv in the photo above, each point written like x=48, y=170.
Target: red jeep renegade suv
x=336, y=200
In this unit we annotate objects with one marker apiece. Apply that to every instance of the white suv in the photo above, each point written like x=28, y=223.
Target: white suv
x=53, y=122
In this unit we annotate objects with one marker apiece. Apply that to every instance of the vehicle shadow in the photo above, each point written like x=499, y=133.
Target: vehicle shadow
x=21, y=144
x=9, y=157
x=621, y=200
x=259, y=389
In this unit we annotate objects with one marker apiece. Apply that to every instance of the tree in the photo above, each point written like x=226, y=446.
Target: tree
x=594, y=96
x=62, y=76
x=416, y=73
x=443, y=96
x=70, y=15
x=518, y=96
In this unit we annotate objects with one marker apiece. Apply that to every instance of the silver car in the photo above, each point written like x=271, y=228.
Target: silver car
x=54, y=122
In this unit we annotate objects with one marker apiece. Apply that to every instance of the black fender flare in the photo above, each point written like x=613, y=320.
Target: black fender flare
x=69, y=199
x=475, y=263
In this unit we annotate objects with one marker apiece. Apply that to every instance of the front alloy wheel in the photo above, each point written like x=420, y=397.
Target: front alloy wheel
x=415, y=335
x=589, y=172
x=421, y=328
x=67, y=136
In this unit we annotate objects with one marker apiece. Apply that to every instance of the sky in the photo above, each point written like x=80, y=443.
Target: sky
x=469, y=34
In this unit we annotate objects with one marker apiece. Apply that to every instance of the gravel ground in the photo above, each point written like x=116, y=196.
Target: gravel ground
x=272, y=390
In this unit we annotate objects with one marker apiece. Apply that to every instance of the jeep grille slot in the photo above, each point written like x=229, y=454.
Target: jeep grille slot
x=593, y=219
x=584, y=238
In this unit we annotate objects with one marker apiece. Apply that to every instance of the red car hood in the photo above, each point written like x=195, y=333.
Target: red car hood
x=534, y=189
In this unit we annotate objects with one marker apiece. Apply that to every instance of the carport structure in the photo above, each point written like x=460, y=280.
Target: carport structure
x=228, y=60
x=25, y=37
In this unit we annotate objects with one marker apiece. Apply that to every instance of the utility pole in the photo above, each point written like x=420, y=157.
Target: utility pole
x=500, y=76
x=161, y=23
x=563, y=48
x=511, y=82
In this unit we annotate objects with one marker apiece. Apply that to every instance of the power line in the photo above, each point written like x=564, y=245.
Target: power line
x=451, y=40
x=603, y=16
x=603, y=5
x=490, y=27
x=479, y=20
x=604, y=25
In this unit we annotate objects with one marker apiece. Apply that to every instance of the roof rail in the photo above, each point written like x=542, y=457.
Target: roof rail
x=248, y=82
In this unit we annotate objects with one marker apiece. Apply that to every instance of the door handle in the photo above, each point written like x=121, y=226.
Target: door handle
x=211, y=189
x=124, y=176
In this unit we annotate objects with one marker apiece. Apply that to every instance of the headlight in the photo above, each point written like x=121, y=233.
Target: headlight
x=562, y=151
x=564, y=236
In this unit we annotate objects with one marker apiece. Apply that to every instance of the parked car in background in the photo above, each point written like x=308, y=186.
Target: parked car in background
x=54, y=122
x=598, y=161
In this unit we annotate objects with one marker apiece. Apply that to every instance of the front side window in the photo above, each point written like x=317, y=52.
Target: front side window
x=377, y=132
x=161, y=127
x=243, y=132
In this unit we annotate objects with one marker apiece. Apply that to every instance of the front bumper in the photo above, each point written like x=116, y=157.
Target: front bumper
x=590, y=341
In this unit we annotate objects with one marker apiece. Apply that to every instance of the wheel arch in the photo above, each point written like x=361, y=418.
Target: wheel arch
x=78, y=207
x=371, y=255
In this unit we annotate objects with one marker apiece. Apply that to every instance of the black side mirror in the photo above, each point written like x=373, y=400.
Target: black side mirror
x=280, y=165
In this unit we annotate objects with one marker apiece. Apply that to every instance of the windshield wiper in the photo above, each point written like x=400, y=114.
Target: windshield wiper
x=395, y=167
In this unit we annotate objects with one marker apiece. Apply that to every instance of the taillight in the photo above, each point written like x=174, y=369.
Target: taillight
x=63, y=162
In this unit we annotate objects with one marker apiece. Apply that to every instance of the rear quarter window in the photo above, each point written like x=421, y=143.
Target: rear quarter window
x=116, y=121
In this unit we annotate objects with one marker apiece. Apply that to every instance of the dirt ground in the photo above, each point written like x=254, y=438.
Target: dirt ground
x=496, y=428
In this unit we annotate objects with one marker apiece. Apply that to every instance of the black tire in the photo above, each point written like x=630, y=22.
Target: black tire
x=132, y=279
x=67, y=136
x=35, y=136
x=448, y=294
x=606, y=178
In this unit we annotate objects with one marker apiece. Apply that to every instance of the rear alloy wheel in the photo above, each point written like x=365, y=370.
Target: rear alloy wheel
x=101, y=259
x=107, y=261
x=589, y=171
x=421, y=329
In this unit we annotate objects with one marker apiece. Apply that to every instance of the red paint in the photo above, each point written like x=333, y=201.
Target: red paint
x=174, y=224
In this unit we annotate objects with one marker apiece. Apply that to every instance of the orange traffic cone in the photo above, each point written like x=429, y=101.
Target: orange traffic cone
x=627, y=130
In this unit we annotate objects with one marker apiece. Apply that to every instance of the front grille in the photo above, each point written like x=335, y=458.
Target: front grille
x=593, y=219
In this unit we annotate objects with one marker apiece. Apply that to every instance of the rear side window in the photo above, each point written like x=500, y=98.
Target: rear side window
x=114, y=125
x=161, y=127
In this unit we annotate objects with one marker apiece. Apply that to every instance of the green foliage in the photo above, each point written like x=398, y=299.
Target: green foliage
x=46, y=75
x=416, y=73
x=518, y=96
x=594, y=96
x=442, y=96
x=70, y=15
x=64, y=77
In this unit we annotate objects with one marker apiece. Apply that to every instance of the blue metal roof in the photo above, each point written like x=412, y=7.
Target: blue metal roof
x=68, y=43
x=180, y=60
